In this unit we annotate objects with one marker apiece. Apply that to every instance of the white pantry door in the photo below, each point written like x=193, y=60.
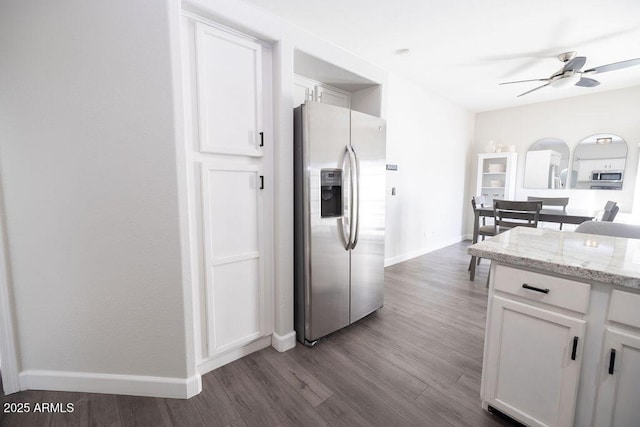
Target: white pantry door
x=232, y=213
x=229, y=156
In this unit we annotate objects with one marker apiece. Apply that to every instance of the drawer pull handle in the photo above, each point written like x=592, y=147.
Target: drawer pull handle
x=533, y=288
x=612, y=360
x=575, y=348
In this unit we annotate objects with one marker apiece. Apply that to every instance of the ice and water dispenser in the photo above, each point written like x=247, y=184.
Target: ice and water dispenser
x=330, y=193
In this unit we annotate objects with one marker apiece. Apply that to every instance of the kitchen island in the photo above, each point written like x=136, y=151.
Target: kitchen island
x=562, y=343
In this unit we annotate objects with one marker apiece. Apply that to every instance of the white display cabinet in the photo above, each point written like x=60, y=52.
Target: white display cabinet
x=497, y=176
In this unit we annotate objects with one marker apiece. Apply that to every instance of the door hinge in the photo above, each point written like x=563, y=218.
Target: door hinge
x=261, y=182
x=261, y=139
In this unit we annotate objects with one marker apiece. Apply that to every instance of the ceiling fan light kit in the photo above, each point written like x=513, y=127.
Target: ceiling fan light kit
x=571, y=75
x=565, y=81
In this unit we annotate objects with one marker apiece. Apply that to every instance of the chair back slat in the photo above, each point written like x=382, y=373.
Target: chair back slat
x=550, y=201
x=509, y=214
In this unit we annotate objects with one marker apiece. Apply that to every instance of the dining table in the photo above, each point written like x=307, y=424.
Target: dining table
x=560, y=216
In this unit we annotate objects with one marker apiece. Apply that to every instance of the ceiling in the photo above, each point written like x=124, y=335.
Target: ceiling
x=462, y=49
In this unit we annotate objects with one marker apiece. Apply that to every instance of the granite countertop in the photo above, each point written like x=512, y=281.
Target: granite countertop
x=589, y=257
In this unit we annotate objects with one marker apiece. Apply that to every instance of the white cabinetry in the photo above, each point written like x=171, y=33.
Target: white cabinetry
x=305, y=89
x=533, y=351
x=587, y=166
x=618, y=401
x=228, y=156
x=497, y=176
x=229, y=92
x=233, y=253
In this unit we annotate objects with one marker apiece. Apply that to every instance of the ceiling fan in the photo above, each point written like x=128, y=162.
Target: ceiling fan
x=570, y=73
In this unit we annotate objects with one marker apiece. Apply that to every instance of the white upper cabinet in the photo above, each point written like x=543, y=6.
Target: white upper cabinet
x=305, y=89
x=302, y=91
x=229, y=92
x=333, y=97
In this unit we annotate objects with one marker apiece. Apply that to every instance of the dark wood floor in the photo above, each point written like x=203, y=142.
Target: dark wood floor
x=417, y=361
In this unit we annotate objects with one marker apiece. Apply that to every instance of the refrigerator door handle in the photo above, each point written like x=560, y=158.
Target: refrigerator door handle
x=352, y=185
x=344, y=221
x=356, y=212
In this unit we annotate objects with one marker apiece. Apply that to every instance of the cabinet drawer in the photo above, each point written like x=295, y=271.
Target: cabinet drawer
x=559, y=292
x=625, y=308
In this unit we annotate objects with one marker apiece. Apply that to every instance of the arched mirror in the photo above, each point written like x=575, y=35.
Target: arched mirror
x=546, y=159
x=599, y=162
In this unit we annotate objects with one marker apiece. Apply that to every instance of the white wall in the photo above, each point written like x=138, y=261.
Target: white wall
x=88, y=164
x=429, y=139
x=571, y=120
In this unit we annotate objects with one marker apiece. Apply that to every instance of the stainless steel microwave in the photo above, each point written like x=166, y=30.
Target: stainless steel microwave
x=607, y=176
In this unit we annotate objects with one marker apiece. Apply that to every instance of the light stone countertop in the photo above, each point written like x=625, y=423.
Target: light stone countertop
x=586, y=257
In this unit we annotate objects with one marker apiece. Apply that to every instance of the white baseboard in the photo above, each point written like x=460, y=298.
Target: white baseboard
x=405, y=257
x=423, y=251
x=283, y=342
x=134, y=385
x=467, y=237
x=215, y=362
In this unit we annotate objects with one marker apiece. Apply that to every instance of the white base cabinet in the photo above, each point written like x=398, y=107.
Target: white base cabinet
x=533, y=346
x=619, y=391
x=560, y=352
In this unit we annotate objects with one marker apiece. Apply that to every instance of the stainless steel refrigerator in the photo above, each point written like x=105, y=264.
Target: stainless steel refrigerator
x=339, y=194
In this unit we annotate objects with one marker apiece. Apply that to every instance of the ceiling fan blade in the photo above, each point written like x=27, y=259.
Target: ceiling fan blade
x=534, y=89
x=614, y=66
x=575, y=64
x=587, y=82
x=523, y=81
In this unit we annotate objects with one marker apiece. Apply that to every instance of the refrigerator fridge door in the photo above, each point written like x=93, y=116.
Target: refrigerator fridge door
x=325, y=137
x=368, y=140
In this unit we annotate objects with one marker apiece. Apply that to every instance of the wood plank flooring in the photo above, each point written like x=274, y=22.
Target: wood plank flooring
x=417, y=361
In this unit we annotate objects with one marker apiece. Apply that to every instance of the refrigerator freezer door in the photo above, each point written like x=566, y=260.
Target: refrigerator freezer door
x=325, y=138
x=368, y=140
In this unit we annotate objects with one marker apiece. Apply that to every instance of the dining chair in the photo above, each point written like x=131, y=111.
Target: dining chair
x=509, y=214
x=615, y=229
x=610, y=211
x=484, y=229
x=555, y=202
